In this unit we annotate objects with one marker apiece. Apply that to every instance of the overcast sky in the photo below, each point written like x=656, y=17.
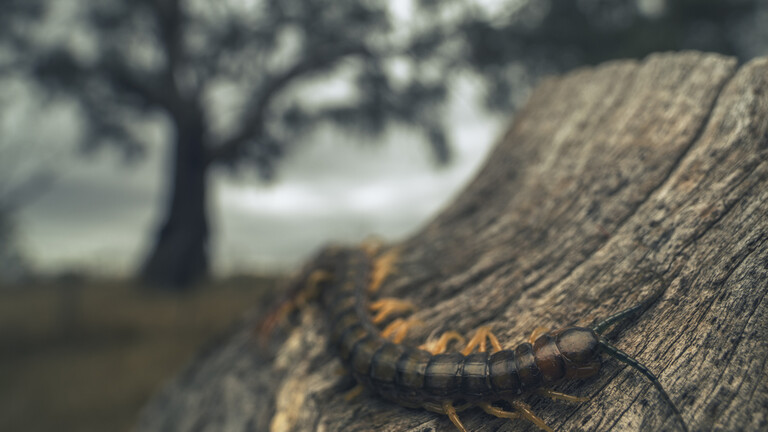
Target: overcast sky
x=100, y=214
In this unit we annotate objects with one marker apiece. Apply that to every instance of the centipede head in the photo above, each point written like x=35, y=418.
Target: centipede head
x=580, y=350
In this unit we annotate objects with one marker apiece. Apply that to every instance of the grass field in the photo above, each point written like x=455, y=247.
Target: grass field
x=85, y=356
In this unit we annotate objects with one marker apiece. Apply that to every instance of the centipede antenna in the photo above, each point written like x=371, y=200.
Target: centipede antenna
x=625, y=358
x=600, y=327
x=626, y=314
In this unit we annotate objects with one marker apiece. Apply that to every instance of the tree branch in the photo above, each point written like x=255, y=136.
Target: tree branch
x=169, y=19
x=153, y=89
x=253, y=123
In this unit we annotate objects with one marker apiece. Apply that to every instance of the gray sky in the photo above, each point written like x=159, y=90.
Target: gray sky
x=100, y=214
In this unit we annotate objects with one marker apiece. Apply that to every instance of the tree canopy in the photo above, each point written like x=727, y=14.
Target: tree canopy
x=227, y=78
x=194, y=58
x=241, y=83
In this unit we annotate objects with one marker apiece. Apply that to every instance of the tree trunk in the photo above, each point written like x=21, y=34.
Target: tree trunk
x=180, y=254
x=607, y=175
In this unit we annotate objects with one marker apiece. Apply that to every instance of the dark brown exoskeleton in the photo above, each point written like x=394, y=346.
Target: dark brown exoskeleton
x=430, y=378
x=575, y=352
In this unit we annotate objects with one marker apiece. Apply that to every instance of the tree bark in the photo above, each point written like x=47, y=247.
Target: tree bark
x=607, y=175
x=180, y=253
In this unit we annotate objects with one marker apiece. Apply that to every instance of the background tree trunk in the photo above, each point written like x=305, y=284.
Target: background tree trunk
x=607, y=174
x=180, y=253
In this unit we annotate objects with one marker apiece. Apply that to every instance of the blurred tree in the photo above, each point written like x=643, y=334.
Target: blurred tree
x=513, y=45
x=13, y=264
x=20, y=180
x=19, y=184
x=225, y=75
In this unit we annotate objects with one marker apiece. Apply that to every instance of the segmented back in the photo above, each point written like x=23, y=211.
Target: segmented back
x=409, y=375
x=440, y=381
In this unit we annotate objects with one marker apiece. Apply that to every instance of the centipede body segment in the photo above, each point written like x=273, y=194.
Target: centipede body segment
x=482, y=375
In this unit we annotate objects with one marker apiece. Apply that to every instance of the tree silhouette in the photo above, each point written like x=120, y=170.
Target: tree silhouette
x=226, y=75
x=175, y=57
x=20, y=180
x=553, y=36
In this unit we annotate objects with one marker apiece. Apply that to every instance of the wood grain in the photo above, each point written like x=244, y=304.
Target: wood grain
x=608, y=175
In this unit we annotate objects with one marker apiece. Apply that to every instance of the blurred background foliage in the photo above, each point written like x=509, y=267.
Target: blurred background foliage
x=240, y=85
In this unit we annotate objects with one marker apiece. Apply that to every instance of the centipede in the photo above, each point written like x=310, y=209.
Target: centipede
x=482, y=375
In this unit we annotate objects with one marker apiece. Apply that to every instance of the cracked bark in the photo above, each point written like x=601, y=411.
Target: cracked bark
x=608, y=174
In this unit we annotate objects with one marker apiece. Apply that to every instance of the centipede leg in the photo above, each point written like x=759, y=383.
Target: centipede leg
x=309, y=291
x=561, y=396
x=388, y=306
x=398, y=329
x=525, y=411
x=538, y=331
x=312, y=289
x=267, y=325
x=479, y=340
x=498, y=412
x=382, y=267
x=354, y=392
x=440, y=345
x=372, y=245
x=317, y=277
x=450, y=411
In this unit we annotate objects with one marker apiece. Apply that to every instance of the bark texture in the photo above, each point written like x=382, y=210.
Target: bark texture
x=607, y=175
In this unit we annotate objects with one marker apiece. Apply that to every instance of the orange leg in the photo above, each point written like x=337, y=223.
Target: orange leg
x=479, y=339
x=383, y=265
x=317, y=277
x=313, y=287
x=561, y=396
x=450, y=411
x=372, y=245
x=440, y=345
x=299, y=300
x=354, y=392
x=398, y=329
x=525, y=411
x=389, y=306
x=267, y=325
x=536, y=333
x=498, y=412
